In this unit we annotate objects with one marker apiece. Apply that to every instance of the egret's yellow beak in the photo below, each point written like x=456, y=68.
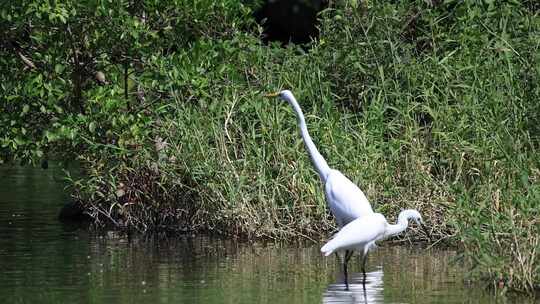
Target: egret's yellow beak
x=271, y=94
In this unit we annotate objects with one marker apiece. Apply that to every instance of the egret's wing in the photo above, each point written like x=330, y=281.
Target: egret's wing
x=346, y=201
x=357, y=234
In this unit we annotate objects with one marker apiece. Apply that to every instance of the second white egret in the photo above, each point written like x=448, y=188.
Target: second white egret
x=362, y=233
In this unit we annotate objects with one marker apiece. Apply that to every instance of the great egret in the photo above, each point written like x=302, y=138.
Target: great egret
x=346, y=201
x=362, y=233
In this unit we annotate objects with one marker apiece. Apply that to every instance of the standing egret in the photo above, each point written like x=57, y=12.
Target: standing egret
x=346, y=201
x=362, y=233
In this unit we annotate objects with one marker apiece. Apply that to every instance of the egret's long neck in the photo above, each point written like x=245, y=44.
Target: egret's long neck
x=318, y=161
x=399, y=227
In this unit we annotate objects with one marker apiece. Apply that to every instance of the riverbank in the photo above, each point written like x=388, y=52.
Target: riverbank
x=433, y=107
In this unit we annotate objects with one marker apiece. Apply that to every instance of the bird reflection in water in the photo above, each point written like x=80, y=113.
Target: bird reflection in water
x=371, y=292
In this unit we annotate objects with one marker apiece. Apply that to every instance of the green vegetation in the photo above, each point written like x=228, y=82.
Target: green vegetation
x=432, y=106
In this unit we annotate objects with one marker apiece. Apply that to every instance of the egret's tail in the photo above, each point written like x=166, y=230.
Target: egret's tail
x=327, y=249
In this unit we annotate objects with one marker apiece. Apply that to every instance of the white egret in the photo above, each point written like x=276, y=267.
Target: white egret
x=362, y=233
x=346, y=201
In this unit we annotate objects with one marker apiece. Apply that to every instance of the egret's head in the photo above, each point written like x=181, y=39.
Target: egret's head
x=416, y=216
x=284, y=94
x=412, y=214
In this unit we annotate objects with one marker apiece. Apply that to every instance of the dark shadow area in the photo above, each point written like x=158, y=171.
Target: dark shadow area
x=290, y=20
x=73, y=212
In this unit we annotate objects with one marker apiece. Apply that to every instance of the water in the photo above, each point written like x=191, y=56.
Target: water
x=44, y=261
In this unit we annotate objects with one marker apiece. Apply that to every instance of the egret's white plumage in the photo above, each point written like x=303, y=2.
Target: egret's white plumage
x=360, y=226
x=346, y=201
x=362, y=233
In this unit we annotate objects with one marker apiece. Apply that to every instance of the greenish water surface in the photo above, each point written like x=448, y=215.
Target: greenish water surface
x=45, y=261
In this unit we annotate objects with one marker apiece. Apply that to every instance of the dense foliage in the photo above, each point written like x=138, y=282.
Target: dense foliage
x=425, y=104
x=68, y=66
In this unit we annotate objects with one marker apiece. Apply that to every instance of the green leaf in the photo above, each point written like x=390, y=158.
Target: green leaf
x=50, y=136
x=58, y=68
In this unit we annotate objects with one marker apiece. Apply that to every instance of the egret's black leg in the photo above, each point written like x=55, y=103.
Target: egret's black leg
x=348, y=255
x=365, y=293
x=345, y=274
x=364, y=268
x=344, y=263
